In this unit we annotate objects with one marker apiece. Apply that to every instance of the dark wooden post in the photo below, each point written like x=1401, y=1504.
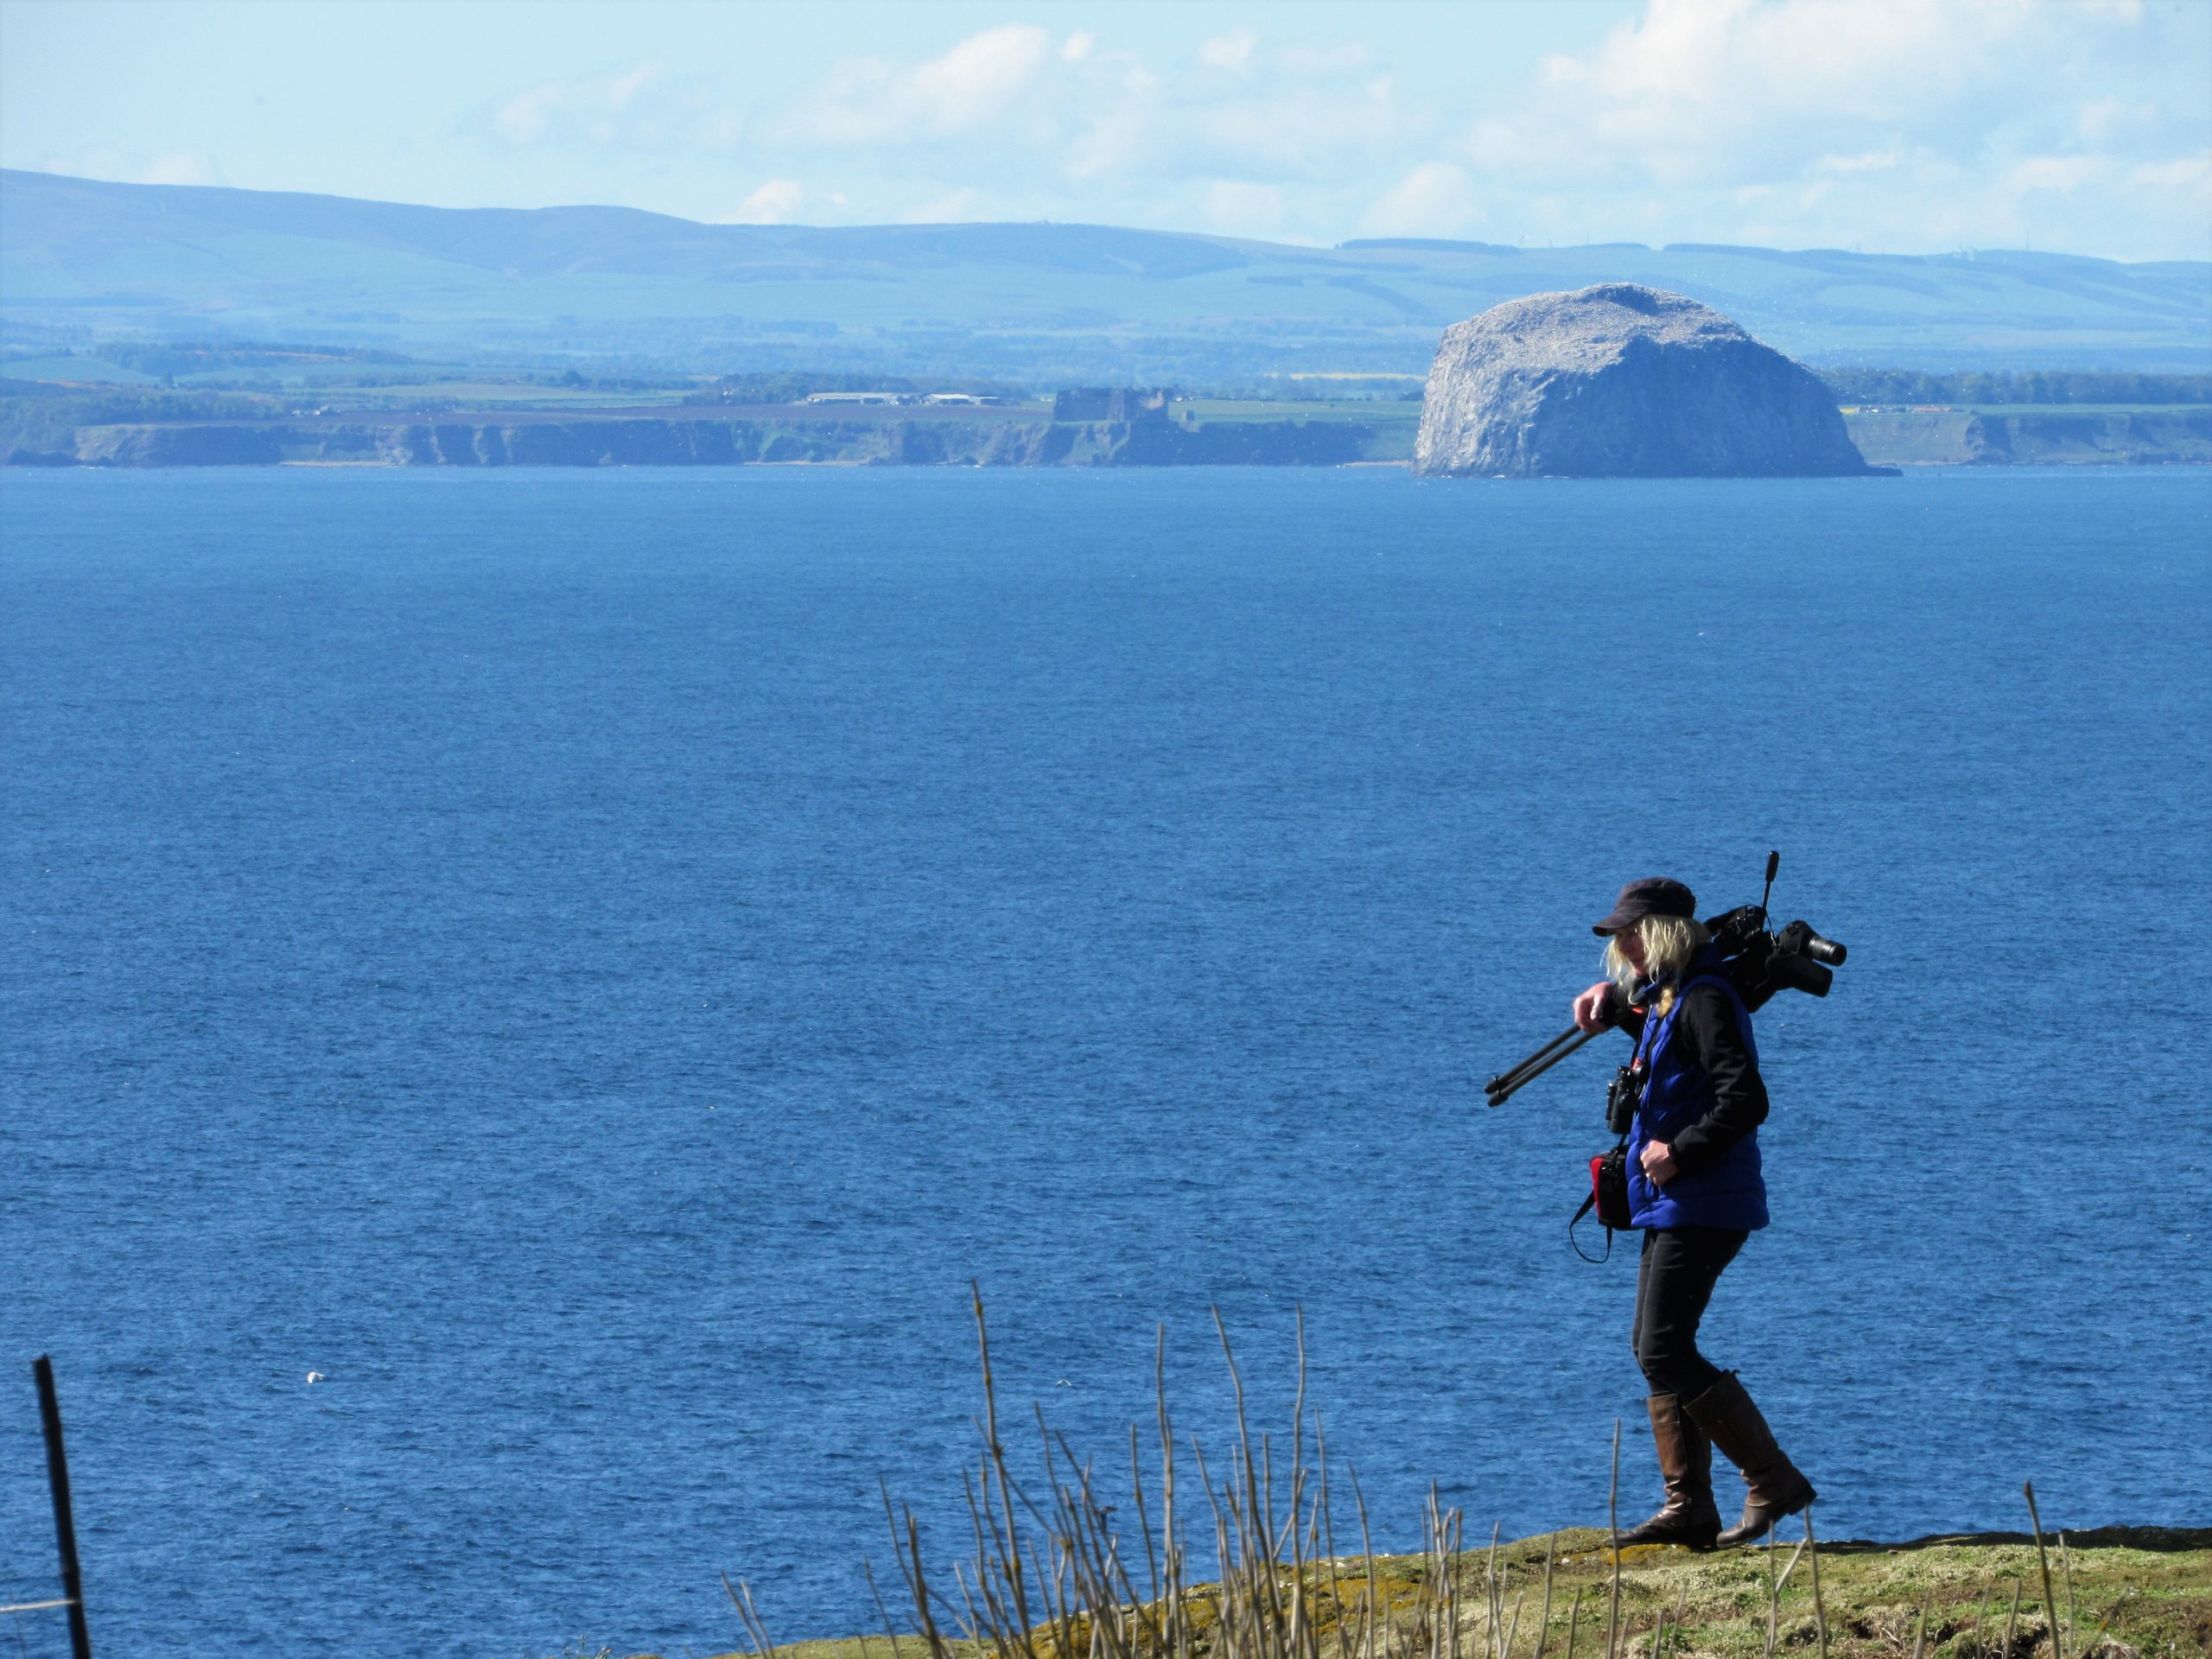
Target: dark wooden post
x=65, y=1529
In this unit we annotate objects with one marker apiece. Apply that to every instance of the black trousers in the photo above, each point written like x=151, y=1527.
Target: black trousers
x=1674, y=1281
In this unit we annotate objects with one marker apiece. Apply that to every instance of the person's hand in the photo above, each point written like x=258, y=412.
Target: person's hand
x=1659, y=1162
x=1593, y=1008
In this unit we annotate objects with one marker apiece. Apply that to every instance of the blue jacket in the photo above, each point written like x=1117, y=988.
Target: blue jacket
x=1729, y=1192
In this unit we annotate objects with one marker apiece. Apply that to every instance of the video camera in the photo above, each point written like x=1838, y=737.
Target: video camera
x=1758, y=961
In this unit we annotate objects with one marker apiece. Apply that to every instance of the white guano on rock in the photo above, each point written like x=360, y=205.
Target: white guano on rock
x=1622, y=381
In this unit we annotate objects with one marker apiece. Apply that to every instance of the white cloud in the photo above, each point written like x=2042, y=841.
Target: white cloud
x=1317, y=122
x=776, y=202
x=1719, y=91
x=2064, y=174
x=2102, y=119
x=2181, y=173
x=1232, y=52
x=1894, y=123
x=623, y=88
x=873, y=100
x=1435, y=198
x=1113, y=141
x=1867, y=161
x=1346, y=57
x=953, y=207
x=181, y=167
x=558, y=108
x=128, y=167
x=1037, y=125
x=1910, y=122
x=1239, y=206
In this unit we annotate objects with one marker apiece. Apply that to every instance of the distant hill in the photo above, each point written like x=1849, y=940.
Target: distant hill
x=81, y=260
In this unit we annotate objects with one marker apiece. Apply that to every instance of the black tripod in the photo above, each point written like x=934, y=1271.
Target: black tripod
x=1558, y=1049
x=1499, y=1087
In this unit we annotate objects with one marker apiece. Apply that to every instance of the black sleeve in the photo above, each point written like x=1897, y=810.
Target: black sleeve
x=1716, y=1040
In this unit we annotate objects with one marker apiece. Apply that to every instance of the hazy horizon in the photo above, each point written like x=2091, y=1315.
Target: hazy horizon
x=1077, y=224
x=1913, y=127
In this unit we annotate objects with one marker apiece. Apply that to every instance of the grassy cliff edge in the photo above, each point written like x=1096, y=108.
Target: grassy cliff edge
x=2118, y=1591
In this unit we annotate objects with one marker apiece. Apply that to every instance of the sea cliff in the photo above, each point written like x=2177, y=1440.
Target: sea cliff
x=1892, y=437
x=2056, y=437
x=705, y=442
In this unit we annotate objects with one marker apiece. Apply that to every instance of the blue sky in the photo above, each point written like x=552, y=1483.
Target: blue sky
x=1893, y=125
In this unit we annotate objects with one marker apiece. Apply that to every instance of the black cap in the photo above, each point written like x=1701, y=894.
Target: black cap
x=1650, y=895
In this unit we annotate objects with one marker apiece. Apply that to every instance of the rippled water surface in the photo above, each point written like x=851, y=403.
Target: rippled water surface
x=593, y=963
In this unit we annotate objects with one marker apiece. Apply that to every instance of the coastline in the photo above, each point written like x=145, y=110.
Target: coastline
x=713, y=437
x=703, y=438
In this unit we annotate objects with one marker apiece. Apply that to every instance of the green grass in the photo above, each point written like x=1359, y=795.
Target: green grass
x=80, y=371
x=1056, y=1574
x=485, y=394
x=2090, y=408
x=1375, y=412
x=2030, y=408
x=2147, y=1594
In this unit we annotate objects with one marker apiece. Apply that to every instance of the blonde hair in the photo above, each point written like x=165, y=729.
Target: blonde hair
x=1669, y=942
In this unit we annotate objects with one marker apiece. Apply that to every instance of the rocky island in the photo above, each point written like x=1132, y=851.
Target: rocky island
x=1622, y=381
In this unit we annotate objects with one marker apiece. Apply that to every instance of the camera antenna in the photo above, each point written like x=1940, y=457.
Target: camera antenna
x=1773, y=863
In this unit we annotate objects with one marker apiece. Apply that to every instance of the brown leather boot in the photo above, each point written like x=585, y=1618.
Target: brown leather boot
x=1725, y=1413
x=1689, y=1517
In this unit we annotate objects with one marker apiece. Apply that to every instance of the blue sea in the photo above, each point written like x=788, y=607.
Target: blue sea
x=593, y=964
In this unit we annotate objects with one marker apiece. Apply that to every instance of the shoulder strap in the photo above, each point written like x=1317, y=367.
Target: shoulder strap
x=1729, y=989
x=1588, y=1204
x=1647, y=1041
x=1735, y=1000
x=1652, y=1022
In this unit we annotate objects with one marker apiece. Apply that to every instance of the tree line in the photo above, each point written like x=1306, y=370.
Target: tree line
x=34, y=415
x=2029, y=386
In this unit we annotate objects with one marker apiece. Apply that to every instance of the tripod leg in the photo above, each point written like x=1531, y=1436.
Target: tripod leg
x=1537, y=1063
x=1512, y=1075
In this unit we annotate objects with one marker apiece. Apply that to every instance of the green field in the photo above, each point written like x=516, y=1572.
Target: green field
x=1367, y=412
x=83, y=370
x=484, y=393
x=1850, y=410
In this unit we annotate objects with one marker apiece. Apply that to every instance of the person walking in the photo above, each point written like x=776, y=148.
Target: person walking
x=1697, y=1190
